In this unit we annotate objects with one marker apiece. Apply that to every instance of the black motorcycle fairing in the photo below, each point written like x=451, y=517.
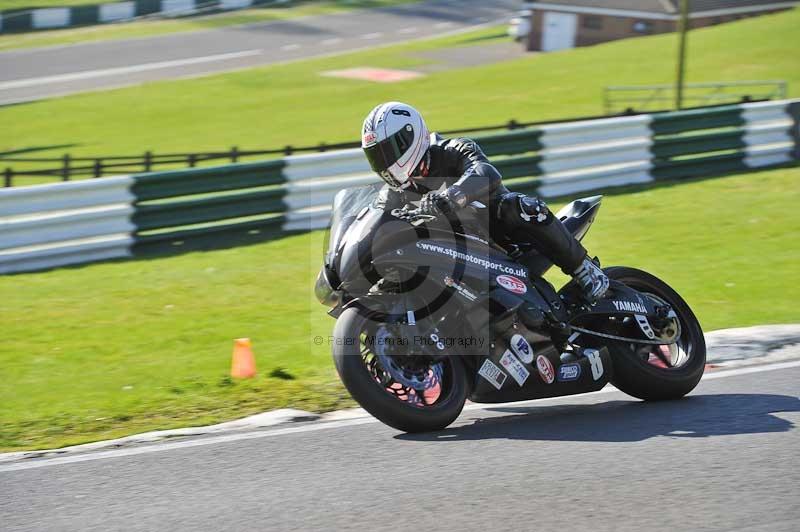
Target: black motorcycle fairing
x=579, y=215
x=445, y=276
x=535, y=385
x=622, y=302
x=347, y=204
x=621, y=299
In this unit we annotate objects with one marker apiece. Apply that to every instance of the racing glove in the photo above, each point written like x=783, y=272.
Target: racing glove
x=436, y=203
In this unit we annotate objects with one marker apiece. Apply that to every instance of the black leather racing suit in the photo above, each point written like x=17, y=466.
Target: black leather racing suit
x=521, y=218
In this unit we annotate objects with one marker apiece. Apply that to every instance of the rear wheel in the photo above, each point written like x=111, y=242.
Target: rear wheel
x=413, y=393
x=658, y=372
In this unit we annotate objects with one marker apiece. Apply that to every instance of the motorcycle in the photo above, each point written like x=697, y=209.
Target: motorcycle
x=432, y=311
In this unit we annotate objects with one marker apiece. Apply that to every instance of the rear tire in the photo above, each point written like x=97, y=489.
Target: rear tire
x=374, y=398
x=645, y=381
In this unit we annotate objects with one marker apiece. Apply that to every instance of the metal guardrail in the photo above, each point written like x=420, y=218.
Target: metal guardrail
x=63, y=223
x=68, y=167
x=33, y=19
x=642, y=98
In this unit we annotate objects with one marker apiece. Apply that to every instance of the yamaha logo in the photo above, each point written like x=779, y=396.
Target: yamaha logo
x=629, y=306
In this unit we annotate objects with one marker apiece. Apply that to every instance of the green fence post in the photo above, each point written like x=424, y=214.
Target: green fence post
x=147, y=7
x=65, y=170
x=794, y=112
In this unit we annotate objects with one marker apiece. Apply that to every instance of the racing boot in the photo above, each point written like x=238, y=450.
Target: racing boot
x=591, y=279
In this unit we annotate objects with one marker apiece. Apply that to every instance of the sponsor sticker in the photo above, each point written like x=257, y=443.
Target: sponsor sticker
x=514, y=367
x=522, y=348
x=369, y=138
x=492, y=373
x=597, y=362
x=569, y=372
x=469, y=296
x=512, y=284
x=545, y=367
x=484, y=262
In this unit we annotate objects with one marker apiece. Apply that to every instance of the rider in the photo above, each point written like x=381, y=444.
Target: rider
x=403, y=153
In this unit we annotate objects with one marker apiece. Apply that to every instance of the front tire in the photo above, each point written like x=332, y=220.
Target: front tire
x=632, y=373
x=350, y=361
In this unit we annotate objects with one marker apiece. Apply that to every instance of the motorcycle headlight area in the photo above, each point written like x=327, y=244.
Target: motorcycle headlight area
x=324, y=291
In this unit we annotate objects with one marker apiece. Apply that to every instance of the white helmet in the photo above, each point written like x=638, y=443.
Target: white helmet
x=394, y=139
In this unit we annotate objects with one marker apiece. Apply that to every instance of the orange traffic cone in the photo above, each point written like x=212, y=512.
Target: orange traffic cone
x=243, y=363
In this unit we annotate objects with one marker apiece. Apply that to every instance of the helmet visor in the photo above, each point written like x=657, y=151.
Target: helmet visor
x=385, y=153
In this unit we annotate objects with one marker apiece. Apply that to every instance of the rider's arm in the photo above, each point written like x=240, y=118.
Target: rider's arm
x=479, y=179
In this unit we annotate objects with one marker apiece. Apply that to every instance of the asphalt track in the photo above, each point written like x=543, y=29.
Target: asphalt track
x=33, y=74
x=724, y=459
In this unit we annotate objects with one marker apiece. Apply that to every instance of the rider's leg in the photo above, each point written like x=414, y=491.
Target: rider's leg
x=531, y=218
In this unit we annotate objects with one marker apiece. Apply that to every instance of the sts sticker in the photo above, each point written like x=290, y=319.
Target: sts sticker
x=522, y=348
x=493, y=374
x=514, y=367
x=512, y=284
x=569, y=372
x=545, y=367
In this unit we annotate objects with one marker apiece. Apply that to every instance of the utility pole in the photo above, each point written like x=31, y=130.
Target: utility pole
x=683, y=29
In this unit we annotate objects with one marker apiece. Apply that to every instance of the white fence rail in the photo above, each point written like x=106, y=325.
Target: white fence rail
x=52, y=225
x=65, y=223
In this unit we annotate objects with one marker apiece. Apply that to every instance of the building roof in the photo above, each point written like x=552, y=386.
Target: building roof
x=650, y=6
x=698, y=6
x=663, y=8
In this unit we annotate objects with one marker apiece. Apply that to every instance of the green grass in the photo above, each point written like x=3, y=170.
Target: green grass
x=111, y=349
x=293, y=104
x=144, y=28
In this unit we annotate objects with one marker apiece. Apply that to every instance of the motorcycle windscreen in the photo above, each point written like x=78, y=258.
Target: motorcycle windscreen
x=347, y=204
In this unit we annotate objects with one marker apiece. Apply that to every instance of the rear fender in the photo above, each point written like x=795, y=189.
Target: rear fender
x=579, y=215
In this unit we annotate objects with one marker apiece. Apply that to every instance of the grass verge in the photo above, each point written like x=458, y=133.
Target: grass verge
x=116, y=348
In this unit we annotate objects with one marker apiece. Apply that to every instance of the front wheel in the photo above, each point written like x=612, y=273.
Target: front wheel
x=658, y=372
x=412, y=394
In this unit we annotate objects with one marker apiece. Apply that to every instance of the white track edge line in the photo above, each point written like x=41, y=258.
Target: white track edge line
x=104, y=72
x=159, y=447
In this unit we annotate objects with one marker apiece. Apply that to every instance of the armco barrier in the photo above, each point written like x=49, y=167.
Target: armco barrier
x=51, y=225
x=65, y=223
x=724, y=139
